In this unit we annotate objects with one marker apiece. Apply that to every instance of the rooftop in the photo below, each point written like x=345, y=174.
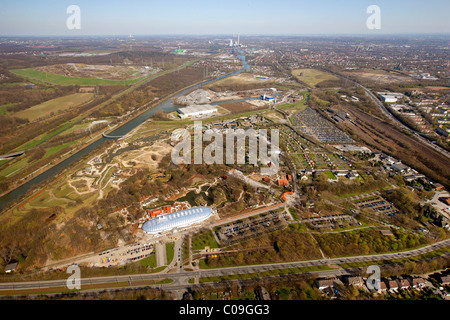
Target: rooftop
x=178, y=219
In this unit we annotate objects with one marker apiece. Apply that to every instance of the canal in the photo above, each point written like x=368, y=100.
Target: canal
x=165, y=105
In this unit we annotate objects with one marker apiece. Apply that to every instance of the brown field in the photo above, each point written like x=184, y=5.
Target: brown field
x=379, y=76
x=243, y=81
x=438, y=88
x=236, y=107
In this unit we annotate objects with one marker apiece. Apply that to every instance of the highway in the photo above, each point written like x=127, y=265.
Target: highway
x=181, y=277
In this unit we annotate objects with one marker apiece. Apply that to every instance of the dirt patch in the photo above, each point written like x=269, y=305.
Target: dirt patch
x=147, y=156
x=107, y=72
x=379, y=76
x=240, y=106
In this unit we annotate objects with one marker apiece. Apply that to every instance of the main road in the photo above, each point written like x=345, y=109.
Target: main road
x=182, y=276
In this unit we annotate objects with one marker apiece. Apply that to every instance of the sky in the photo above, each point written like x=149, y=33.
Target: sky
x=162, y=17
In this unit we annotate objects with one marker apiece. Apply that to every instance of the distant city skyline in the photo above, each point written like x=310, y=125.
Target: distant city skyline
x=197, y=17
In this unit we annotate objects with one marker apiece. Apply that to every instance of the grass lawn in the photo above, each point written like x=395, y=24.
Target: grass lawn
x=330, y=175
x=149, y=261
x=42, y=138
x=293, y=213
x=298, y=106
x=202, y=239
x=14, y=167
x=23, y=162
x=54, y=105
x=67, y=81
x=55, y=149
x=169, y=251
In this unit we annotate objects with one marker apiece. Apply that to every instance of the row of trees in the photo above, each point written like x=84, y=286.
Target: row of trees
x=157, y=88
x=370, y=183
x=23, y=97
x=367, y=241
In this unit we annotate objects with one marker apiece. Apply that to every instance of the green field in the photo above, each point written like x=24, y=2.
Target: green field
x=55, y=149
x=312, y=77
x=54, y=105
x=330, y=175
x=23, y=162
x=42, y=138
x=169, y=251
x=3, y=109
x=67, y=81
x=202, y=239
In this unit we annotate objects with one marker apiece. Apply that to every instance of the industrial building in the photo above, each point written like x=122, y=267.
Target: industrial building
x=176, y=220
x=391, y=97
x=196, y=111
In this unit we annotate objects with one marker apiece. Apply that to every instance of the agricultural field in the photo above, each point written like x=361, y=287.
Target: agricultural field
x=54, y=106
x=312, y=77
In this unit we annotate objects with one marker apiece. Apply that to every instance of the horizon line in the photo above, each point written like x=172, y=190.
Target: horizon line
x=233, y=34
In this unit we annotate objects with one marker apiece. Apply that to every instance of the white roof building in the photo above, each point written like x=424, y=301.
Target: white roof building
x=176, y=220
x=196, y=111
x=391, y=97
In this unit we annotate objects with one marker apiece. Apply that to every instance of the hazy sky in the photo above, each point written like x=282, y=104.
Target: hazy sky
x=99, y=17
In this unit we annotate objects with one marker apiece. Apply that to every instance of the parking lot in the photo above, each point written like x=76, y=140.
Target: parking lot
x=251, y=227
x=378, y=205
x=123, y=255
x=312, y=123
x=331, y=221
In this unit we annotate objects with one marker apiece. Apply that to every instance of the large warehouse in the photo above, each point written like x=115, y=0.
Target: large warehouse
x=179, y=219
x=196, y=111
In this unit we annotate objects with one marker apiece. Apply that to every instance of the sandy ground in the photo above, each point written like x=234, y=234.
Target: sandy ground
x=146, y=156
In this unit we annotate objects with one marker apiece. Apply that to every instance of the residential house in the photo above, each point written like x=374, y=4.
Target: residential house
x=11, y=267
x=403, y=284
x=354, y=281
x=393, y=285
x=324, y=283
x=417, y=283
x=382, y=287
x=445, y=281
